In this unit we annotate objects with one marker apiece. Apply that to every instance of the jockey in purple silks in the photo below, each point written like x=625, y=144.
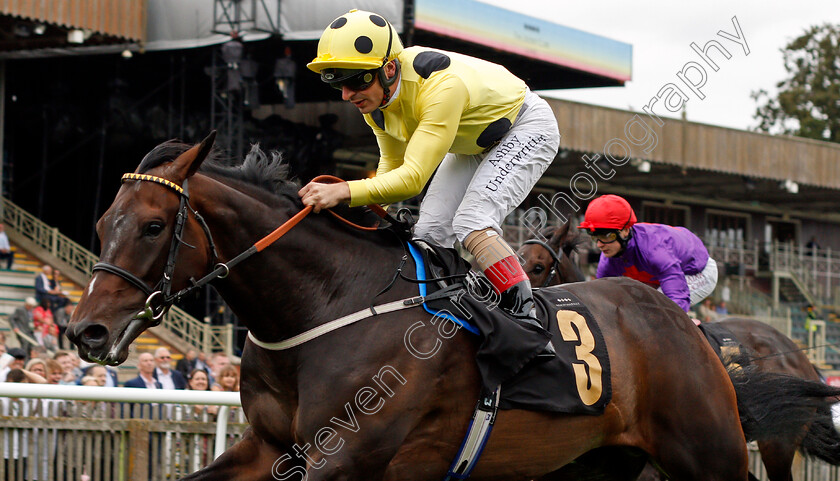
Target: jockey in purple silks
x=671, y=259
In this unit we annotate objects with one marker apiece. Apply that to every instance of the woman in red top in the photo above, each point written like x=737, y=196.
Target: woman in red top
x=46, y=330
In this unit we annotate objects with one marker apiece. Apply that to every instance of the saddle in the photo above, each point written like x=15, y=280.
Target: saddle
x=730, y=351
x=507, y=347
x=726, y=345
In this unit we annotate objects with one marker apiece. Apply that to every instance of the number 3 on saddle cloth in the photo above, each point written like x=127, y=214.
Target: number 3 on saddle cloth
x=576, y=381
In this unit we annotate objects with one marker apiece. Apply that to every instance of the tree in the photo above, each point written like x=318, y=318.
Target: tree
x=808, y=102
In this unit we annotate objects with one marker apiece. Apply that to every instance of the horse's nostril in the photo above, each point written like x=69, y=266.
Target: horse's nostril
x=94, y=336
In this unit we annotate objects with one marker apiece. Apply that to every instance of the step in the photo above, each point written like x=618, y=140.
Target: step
x=17, y=276
x=19, y=283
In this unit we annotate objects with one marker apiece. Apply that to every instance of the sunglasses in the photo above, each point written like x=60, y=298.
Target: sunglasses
x=604, y=238
x=358, y=82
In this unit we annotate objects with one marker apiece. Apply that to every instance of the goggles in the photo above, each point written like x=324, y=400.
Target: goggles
x=605, y=237
x=355, y=80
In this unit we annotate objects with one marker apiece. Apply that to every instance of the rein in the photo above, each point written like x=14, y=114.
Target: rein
x=159, y=298
x=554, y=265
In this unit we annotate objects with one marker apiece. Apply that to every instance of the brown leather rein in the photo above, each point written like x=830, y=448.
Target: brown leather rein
x=159, y=300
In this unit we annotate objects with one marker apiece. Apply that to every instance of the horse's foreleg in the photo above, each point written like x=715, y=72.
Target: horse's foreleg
x=251, y=459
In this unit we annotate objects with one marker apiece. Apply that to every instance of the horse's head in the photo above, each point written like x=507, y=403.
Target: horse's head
x=547, y=261
x=149, y=228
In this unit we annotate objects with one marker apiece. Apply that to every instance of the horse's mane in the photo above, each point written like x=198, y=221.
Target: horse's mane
x=261, y=175
x=265, y=171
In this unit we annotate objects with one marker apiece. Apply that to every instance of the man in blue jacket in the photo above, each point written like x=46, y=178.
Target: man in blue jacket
x=146, y=373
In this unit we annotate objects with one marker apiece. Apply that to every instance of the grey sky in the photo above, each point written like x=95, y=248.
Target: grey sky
x=661, y=32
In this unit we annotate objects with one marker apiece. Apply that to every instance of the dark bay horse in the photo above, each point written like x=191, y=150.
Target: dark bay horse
x=359, y=403
x=770, y=350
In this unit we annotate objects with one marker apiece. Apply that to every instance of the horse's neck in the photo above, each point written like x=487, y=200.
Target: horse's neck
x=316, y=272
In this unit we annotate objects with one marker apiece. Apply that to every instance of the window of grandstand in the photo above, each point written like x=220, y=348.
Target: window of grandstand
x=726, y=229
x=659, y=213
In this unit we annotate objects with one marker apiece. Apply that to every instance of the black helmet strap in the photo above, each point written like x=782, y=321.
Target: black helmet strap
x=383, y=78
x=388, y=82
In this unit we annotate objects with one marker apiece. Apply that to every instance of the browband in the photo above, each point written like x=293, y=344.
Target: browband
x=151, y=178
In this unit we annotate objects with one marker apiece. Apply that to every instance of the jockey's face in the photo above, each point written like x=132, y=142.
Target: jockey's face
x=366, y=100
x=369, y=99
x=612, y=249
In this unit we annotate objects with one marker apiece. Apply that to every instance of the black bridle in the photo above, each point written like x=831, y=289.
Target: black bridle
x=554, y=265
x=159, y=298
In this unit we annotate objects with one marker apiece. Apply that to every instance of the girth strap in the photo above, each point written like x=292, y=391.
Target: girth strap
x=478, y=432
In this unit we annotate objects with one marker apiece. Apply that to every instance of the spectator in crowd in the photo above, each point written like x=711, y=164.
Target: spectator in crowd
x=17, y=375
x=721, y=309
x=89, y=381
x=46, y=331
x=169, y=378
x=199, y=381
x=44, y=289
x=26, y=376
x=812, y=246
x=37, y=366
x=146, y=373
x=218, y=361
x=69, y=373
x=228, y=380
x=201, y=362
x=55, y=283
x=6, y=248
x=17, y=361
x=62, y=319
x=77, y=363
x=186, y=364
x=102, y=375
x=54, y=372
x=2, y=343
x=22, y=323
x=38, y=352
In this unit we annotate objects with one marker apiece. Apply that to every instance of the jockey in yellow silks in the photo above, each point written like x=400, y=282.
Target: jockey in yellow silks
x=467, y=127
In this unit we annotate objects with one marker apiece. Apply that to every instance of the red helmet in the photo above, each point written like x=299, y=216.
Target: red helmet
x=608, y=212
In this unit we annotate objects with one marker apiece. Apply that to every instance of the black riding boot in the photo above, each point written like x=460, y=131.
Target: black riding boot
x=518, y=301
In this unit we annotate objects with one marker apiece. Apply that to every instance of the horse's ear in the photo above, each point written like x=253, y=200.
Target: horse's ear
x=559, y=236
x=189, y=162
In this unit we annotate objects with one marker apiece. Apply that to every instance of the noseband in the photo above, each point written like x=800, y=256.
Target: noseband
x=159, y=298
x=554, y=265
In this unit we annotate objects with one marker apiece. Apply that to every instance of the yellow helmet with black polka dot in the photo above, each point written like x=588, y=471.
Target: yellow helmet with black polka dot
x=357, y=40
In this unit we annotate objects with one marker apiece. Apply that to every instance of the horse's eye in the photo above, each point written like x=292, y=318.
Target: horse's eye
x=538, y=268
x=153, y=229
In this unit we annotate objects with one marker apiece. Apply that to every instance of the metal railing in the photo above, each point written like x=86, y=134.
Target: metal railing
x=72, y=432
x=67, y=432
x=816, y=270
x=22, y=224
